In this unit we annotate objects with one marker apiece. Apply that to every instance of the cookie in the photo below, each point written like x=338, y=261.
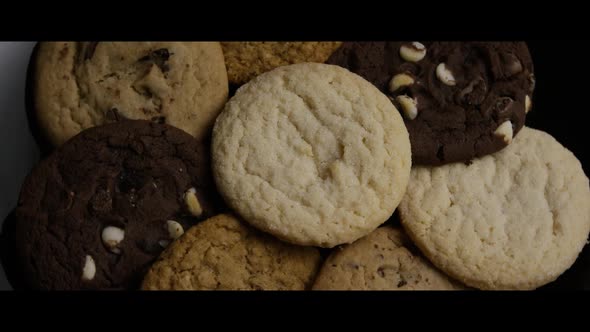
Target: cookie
x=516, y=219
x=383, y=260
x=312, y=154
x=99, y=210
x=223, y=253
x=245, y=60
x=455, y=96
x=82, y=85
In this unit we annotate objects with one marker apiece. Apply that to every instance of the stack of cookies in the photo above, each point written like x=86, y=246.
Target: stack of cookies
x=158, y=179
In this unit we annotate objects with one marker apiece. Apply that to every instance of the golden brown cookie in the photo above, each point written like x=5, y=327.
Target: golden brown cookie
x=226, y=254
x=245, y=60
x=79, y=85
x=383, y=260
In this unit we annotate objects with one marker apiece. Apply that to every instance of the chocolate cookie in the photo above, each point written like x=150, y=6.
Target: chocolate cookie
x=99, y=210
x=460, y=100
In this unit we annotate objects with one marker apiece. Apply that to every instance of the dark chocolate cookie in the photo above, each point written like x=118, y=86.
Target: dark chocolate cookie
x=460, y=100
x=100, y=209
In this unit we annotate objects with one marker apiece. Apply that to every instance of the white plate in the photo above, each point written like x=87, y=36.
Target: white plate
x=18, y=151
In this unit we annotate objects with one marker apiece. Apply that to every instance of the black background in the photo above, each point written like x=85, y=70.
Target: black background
x=560, y=103
x=559, y=108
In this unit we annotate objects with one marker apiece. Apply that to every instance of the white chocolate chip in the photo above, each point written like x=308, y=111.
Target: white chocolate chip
x=505, y=131
x=89, y=269
x=192, y=202
x=527, y=104
x=413, y=53
x=444, y=74
x=409, y=106
x=400, y=80
x=111, y=237
x=163, y=243
x=175, y=229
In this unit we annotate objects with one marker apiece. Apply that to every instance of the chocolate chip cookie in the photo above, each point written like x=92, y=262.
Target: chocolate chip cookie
x=383, y=260
x=460, y=100
x=79, y=85
x=101, y=208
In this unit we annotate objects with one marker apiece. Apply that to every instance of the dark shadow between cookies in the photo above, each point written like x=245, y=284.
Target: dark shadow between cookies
x=8, y=255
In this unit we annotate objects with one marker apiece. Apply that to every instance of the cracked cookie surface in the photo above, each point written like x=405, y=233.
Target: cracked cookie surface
x=516, y=219
x=245, y=60
x=222, y=253
x=312, y=154
x=79, y=85
x=459, y=104
x=383, y=260
x=108, y=194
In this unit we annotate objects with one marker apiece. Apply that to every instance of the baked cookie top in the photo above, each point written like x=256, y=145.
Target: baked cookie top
x=101, y=208
x=516, y=219
x=79, y=85
x=223, y=253
x=245, y=60
x=383, y=260
x=312, y=154
x=460, y=100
